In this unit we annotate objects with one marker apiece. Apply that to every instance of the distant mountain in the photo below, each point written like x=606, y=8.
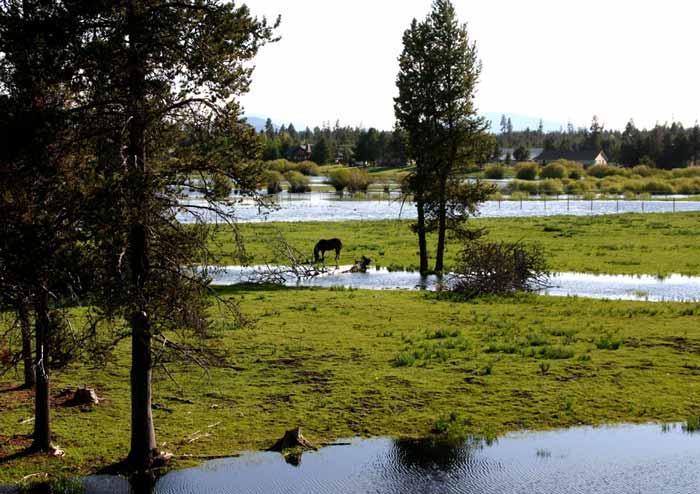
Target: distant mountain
x=521, y=122
x=257, y=122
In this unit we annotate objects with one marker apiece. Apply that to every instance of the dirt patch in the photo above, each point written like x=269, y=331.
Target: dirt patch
x=287, y=362
x=521, y=395
x=11, y=396
x=12, y=444
x=397, y=381
x=683, y=345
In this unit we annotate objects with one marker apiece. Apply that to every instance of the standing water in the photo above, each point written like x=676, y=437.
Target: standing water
x=584, y=460
x=674, y=288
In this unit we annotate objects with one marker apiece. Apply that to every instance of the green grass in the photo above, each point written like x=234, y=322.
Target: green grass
x=371, y=363
x=617, y=244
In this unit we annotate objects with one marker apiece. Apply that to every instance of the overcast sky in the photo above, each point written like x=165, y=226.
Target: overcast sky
x=559, y=60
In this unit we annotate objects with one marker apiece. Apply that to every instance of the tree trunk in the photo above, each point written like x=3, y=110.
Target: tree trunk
x=442, y=212
x=25, y=326
x=42, y=425
x=143, y=437
x=422, y=243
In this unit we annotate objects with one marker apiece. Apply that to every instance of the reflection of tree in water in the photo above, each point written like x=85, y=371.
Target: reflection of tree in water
x=429, y=455
x=143, y=483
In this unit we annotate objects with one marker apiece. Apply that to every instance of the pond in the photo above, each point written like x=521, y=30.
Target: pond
x=328, y=206
x=615, y=287
x=584, y=460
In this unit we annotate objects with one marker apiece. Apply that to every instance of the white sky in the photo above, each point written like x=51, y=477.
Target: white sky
x=554, y=59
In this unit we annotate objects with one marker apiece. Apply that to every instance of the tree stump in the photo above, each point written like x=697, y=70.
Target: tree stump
x=84, y=396
x=292, y=439
x=360, y=265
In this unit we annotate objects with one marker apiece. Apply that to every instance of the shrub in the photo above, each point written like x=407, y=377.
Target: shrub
x=551, y=186
x=308, y=168
x=339, y=179
x=272, y=181
x=280, y=165
x=298, y=183
x=358, y=180
x=643, y=170
x=611, y=185
x=602, y=171
x=579, y=187
x=499, y=268
x=692, y=172
x=526, y=171
x=554, y=170
x=686, y=185
x=495, y=172
x=524, y=186
x=657, y=186
x=632, y=185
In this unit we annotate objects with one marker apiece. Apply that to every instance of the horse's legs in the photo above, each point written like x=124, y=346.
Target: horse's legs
x=337, y=256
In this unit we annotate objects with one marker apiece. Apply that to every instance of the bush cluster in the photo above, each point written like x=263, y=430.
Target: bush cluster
x=353, y=179
x=298, y=183
x=308, y=168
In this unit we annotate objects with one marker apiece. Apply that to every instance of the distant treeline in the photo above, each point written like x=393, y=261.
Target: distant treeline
x=663, y=146
x=335, y=144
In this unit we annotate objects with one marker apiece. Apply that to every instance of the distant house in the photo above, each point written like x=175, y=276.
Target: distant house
x=508, y=152
x=585, y=157
x=301, y=153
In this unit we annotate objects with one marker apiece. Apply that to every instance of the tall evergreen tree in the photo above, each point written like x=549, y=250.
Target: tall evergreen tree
x=439, y=70
x=269, y=129
x=320, y=153
x=171, y=66
x=41, y=174
x=504, y=124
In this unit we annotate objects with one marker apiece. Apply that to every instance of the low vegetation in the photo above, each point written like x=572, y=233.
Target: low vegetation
x=345, y=363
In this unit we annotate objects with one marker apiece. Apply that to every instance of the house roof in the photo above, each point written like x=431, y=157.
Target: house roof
x=583, y=155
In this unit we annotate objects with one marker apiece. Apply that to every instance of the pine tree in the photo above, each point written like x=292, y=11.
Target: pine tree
x=439, y=70
x=174, y=69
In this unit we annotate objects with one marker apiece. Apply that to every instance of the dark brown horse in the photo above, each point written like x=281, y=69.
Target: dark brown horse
x=322, y=246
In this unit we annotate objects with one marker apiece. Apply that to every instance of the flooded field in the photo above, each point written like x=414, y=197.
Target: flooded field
x=328, y=206
x=615, y=287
